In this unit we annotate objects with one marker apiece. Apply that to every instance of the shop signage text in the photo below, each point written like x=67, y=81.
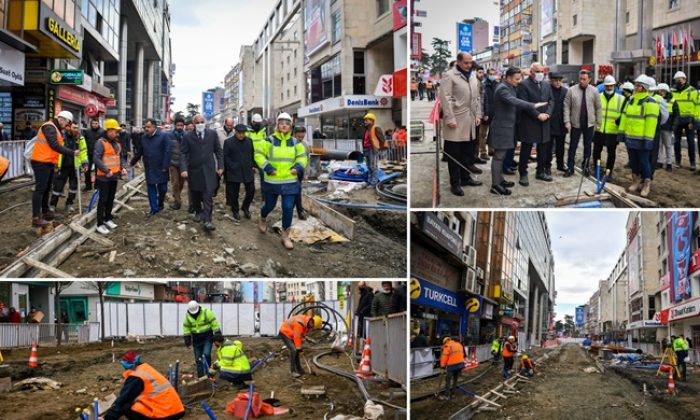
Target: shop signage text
x=425, y=293
x=440, y=233
x=11, y=65
x=686, y=310
x=63, y=34
x=66, y=77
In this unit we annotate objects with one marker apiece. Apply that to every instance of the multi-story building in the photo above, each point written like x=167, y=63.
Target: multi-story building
x=516, y=47
x=248, y=101
x=617, y=285
x=681, y=18
x=231, y=89
x=593, y=314
x=288, y=95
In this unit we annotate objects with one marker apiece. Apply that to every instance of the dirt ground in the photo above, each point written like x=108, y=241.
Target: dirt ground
x=173, y=245
x=91, y=367
x=562, y=390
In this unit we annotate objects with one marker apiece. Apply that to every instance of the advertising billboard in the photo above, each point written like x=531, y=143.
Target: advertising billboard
x=547, y=13
x=208, y=104
x=317, y=23
x=464, y=37
x=681, y=226
x=579, y=316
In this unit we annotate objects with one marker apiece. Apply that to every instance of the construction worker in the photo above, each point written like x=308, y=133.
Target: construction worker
x=110, y=165
x=4, y=166
x=527, y=368
x=684, y=101
x=495, y=349
x=258, y=133
x=665, y=129
x=68, y=168
x=414, y=89
x=47, y=147
x=372, y=144
x=638, y=128
x=508, y=352
x=281, y=158
x=292, y=333
x=680, y=347
x=199, y=327
x=300, y=135
x=230, y=361
x=452, y=360
x=146, y=393
x=606, y=133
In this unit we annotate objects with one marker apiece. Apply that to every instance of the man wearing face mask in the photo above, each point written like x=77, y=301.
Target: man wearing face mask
x=257, y=133
x=533, y=125
x=489, y=86
x=175, y=179
x=155, y=150
x=383, y=302
x=606, y=132
x=202, y=163
x=684, y=101
x=556, y=122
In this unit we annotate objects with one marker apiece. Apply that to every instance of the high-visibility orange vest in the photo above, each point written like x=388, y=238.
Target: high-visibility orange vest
x=4, y=164
x=111, y=158
x=527, y=364
x=158, y=398
x=452, y=353
x=414, y=86
x=42, y=149
x=507, y=349
x=295, y=328
x=378, y=140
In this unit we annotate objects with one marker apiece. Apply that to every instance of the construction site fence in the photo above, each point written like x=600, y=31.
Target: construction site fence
x=388, y=338
x=345, y=145
x=165, y=319
x=425, y=360
x=395, y=152
x=23, y=335
x=14, y=151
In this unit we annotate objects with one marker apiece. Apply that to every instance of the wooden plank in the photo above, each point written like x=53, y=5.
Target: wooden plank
x=332, y=218
x=138, y=190
x=498, y=394
x=91, y=234
x=566, y=201
x=47, y=268
x=112, y=255
x=487, y=401
x=123, y=204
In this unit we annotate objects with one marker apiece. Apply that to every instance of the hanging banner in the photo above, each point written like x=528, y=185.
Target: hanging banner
x=579, y=316
x=680, y=237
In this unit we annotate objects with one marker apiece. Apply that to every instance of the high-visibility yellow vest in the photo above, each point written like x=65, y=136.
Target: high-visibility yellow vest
x=204, y=322
x=640, y=118
x=230, y=358
x=687, y=100
x=78, y=160
x=611, y=112
x=256, y=136
x=282, y=158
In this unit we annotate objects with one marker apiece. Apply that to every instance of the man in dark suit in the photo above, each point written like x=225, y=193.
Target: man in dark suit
x=533, y=124
x=198, y=149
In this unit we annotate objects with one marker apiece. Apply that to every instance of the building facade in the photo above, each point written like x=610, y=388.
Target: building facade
x=516, y=47
x=231, y=90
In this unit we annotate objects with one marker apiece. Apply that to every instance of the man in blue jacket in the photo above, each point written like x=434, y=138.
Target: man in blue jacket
x=155, y=149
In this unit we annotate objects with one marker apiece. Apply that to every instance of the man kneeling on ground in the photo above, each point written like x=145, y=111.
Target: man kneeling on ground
x=527, y=368
x=231, y=361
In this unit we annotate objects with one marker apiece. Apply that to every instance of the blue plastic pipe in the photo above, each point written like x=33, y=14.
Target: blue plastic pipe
x=177, y=374
x=250, y=402
x=207, y=410
x=96, y=409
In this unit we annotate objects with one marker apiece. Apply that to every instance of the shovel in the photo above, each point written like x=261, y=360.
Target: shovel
x=80, y=197
x=272, y=400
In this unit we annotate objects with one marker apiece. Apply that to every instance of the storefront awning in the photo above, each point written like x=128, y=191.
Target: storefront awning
x=54, y=37
x=345, y=103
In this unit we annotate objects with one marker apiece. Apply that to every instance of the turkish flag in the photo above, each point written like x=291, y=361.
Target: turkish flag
x=664, y=316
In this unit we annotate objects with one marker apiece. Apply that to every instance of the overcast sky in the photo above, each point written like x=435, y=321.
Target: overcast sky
x=206, y=39
x=586, y=247
x=443, y=15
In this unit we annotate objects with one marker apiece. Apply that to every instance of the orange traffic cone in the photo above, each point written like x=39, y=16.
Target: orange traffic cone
x=474, y=362
x=671, y=386
x=364, y=371
x=33, y=358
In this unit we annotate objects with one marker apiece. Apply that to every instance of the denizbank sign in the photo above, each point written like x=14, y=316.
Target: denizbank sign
x=352, y=102
x=425, y=293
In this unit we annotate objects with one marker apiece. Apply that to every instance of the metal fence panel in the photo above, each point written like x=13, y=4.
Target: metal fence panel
x=246, y=318
x=23, y=335
x=229, y=320
x=171, y=319
x=396, y=347
x=218, y=309
x=14, y=151
x=181, y=313
x=379, y=345
x=152, y=319
x=268, y=319
x=135, y=319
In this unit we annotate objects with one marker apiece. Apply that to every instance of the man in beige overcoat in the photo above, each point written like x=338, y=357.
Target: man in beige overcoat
x=461, y=108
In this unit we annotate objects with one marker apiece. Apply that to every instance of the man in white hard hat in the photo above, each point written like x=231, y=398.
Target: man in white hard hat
x=663, y=118
x=606, y=132
x=665, y=129
x=258, y=133
x=47, y=147
x=684, y=102
x=199, y=327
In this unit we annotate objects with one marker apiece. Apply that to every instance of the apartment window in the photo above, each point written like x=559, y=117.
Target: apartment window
x=295, y=72
x=673, y=4
x=575, y=19
x=330, y=78
x=358, y=78
x=287, y=76
x=337, y=28
x=627, y=17
x=287, y=93
x=382, y=7
x=295, y=90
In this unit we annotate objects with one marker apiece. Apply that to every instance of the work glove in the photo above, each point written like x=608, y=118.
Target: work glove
x=300, y=349
x=212, y=378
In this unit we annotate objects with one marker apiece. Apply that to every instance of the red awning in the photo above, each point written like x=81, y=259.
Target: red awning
x=664, y=316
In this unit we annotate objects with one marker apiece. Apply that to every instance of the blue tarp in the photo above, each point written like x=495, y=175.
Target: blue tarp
x=359, y=173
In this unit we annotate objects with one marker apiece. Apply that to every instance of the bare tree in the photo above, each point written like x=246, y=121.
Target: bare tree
x=59, y=287
x=101, y=287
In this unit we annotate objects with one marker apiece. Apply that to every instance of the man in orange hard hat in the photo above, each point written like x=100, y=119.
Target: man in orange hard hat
x=292, y=332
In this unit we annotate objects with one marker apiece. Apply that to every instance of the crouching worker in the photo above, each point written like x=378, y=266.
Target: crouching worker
x=527, y=368
x=146, y=394
x=292, y=332
x=452, y=360
x=231, y=362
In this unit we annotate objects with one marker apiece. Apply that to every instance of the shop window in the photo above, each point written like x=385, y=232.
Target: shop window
x=382, y=7
x=337, y=27
x=358, y=79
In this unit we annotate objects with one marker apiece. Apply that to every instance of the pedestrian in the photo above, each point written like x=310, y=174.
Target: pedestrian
x=69, y=167
x=373, y=144
x=109, y=167
x=300, y=134
x=452, y=361
x=202, y=163
x=364, y=307
x=225, y=131
x=680, y=347
x=533, y=125
x=155, y=150
x=508, y=352
x=28, y=132
x=480, y=77
x=606, y=133
x=638, y=128
x=527, y=368
x=231, y=362
x=421, y=89
x=64, y=321
x=582, y=113
x=495, y=349
x=44, y=157
x=663, y=118
x=501, y=137
x=488, y=87
x=258, y=133
x=556, y=122
x=146, y=393
x=292, y=333
x=239, y=164
x=13, y=316
x=414, y=89
x=3, y=136
x=176, y=180
x=92, y=135
x=684, y=102
x=199, y=328
x=399, y=296
x=419, y=340
x=383, y=301
x=281, y=158
x=430, y=90
x=665, y=130
x=461, y=107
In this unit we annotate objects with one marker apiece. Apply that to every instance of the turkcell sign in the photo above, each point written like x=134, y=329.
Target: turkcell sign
x=437, y=297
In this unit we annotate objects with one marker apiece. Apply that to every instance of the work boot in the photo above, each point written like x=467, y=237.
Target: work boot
x=209, y=226
x=302, y=215
x=669, y=167
x=296, y=375
x=49, y=215
x=262, y=224
x=39, y=222
x=246, y=213
x=635, y=184
x=285, y=239
x=236, y=215
x=646, y=188
x=176, y=206
x=524, y=181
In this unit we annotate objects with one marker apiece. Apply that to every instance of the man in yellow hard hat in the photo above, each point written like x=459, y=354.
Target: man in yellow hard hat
x=292, y=332
x=110, y=165
x=527, y=368
x=373, y=142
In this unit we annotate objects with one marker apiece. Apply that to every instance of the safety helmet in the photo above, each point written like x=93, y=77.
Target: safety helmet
x=664, y=87
x=609, y=80
x=680, y=74
x=112, y=124
x=645, y=81
x=511, y=338
x=446, y=339
x=370, y=116
x=257, y=118
x=284, y=116
x=238, y=344
x=524, y=356
x=66, y=114
x=318, y=321
x=193, y=307
x=628, y=86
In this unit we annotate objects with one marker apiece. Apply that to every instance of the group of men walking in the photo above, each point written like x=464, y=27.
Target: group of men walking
x=482, y=119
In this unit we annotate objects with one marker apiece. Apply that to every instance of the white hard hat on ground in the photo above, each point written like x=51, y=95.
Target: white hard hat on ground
x=679, y=74
x=66, y=114
x=609, y=80
x=193, y=307
x=257, y=118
